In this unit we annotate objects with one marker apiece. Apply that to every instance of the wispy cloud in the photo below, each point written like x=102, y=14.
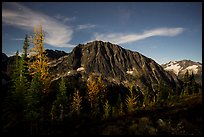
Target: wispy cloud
x=18, y=39
x=120, y=38
x=64, y=19
x=57, y=33
x=85, y=26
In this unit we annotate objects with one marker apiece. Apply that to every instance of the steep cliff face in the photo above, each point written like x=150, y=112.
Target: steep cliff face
x=114, y=63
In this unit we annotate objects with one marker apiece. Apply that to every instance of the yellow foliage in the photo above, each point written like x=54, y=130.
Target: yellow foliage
x=94, y=87
x=93, y=91
x=131, y=101
x=107, y=110
x=76, y=104
x=40, y=63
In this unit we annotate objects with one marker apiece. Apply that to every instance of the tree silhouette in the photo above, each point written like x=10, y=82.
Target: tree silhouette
x=107, y=110
x=15, y=101
x=33, y=103
x=25, y=56
x=25, y=48
x=61, y=103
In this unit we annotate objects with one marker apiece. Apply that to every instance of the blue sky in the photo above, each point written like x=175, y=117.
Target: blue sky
x=163, y=31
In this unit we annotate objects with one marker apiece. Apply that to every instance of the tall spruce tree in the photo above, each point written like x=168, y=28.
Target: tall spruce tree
x=186, y=83
x=140, y=97
x=33, y=103
x=194, y=85
x=15, y=101
x=164, y=92
x=61, y=103
x=190, y=86
x=25, y=56
x=107, y=109
x=20, y=84
x=25, y=48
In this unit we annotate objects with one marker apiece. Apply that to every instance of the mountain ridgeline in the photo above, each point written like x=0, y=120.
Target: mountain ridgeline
x=115, y=64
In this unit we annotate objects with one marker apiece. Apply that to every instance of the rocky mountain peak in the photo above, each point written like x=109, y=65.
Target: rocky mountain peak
x=114, y=63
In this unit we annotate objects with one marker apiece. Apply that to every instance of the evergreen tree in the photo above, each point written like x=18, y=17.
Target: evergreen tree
x=25, y=56
x=33, y=103
x=194, y=85
x=25, y=48
x=140, y=97
x=114, y=113
x=146, y=100
x=101, y=94
x=190, y=85
x=186, y=77
x=107, y=110
x=53, y=114
x=119, y=106
x=15, y=101
x=186, y=83
x=62, y=101
x=20, y=83
x=163, y=94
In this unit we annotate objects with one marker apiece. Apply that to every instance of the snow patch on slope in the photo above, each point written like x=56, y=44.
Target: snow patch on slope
x=175, y=68
x=193, y=68
x=81, y=69
x=130, y=72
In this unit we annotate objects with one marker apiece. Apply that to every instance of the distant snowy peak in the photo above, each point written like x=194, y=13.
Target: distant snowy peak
x=180, y=67
x=173, y=67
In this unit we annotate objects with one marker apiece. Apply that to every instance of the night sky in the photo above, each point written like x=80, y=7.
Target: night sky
x=161, y=31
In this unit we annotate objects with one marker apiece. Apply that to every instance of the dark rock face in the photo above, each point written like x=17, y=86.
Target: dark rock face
x=4, y=59
x=114, y=63
x=51, y=54
x=5, y=79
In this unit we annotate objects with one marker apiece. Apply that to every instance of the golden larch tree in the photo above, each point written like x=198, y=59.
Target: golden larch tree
x=39, y=63
x=76, y=103
x=131, y=101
